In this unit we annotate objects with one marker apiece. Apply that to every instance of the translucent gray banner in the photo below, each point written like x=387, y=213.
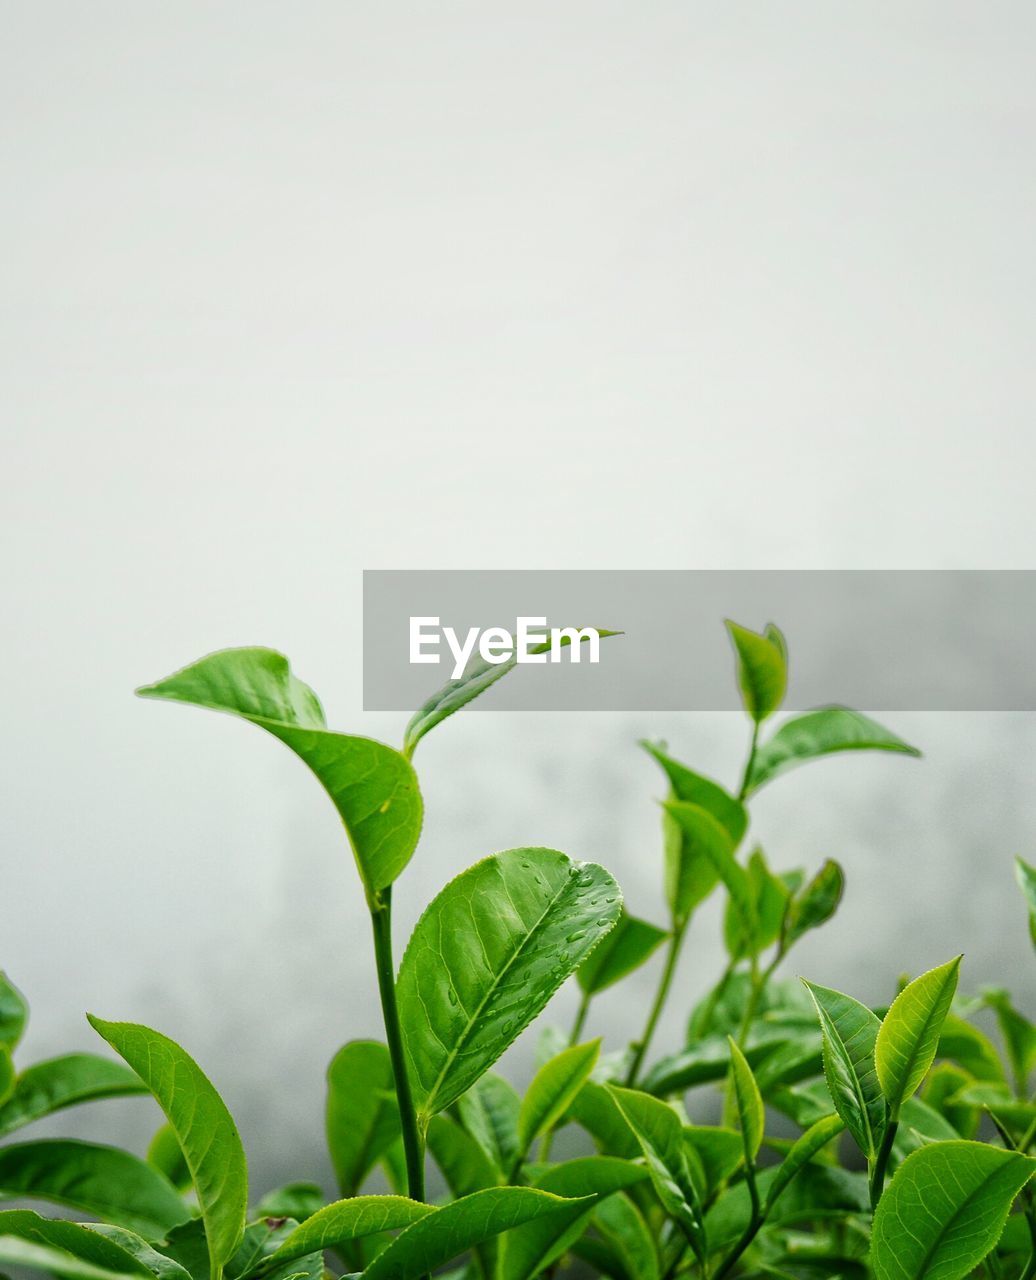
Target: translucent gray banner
x=924, y=640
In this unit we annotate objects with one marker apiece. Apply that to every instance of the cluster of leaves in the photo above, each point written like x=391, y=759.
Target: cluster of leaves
x=843, y=1140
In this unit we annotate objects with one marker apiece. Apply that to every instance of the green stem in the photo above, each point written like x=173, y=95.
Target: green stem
x=665, y=982
x=413, y=1143
x=877, y=1176
x=746, y=777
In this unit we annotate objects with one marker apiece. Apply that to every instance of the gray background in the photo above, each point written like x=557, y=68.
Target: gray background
x=293, y=291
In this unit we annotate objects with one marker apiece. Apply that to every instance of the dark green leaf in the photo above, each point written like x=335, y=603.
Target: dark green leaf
x=850, y=1031
x=14, y=1012
x=486, y=957
x=817, y=1192
x=770, y=901
x=373, y=787
x=707, y=1060
x=297, y=1200
x=816, y=903
x=706, y=856
x=624, y=950
x=1019, y=1036
x=620, y=1221
x=361, y=1116
x=6, y=1074
x=596, y=1111
x=337, y=1224
x=944, y=1210
x=160, y=1266
x=909, y=1036
x=76, y=1243
x=762, y=671
x=64, y=1082
x=479, y=675
x=489, y=1112
x=821, y=733
x=970, y=1048
x=552, y=1090
x=207, y=1133
x=463, y=1162
x=718, y=1151
x=102, y=1181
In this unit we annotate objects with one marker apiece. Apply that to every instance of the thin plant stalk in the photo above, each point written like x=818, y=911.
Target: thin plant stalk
x=661, y=995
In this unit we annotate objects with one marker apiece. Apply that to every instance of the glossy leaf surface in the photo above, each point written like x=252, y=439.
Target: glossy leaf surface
x=552, y=1090
x=850, y=1031
x=347, y=1220
x=909, y=1035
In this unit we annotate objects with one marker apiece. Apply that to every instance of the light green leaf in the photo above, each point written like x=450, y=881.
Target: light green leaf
x=160, y=1266
x=1026, y=876
x=850, y=1031
x=748, y=1101
x=102, y=1181
x=486, y=957
x=624, y=950
x=596, y=1111
x=489, y=1113
x=945, y=1209
x=909, y=1034
x=1019, y=1035
x=71, y=1243
x=372, y=786
x=457, y=1227
x=16, y=1252
x=762, y=669
x=585, y=1183
x=66, y=1081
x=296, y=1200
x=821, y=733
x=165, y=1155
x=809, y=1145
x=479, y=675
x=203, y=1125
x=815, y=904
x=337, y=1224
x=14, y=1012
x=659, y=1132
x=705, y=856
x=620, y=1221
x=362, y=1115
x=769, y=903
x=693, y=788
x=552, y=1089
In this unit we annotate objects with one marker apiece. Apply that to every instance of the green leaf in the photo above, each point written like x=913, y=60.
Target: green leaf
x=489, y=1113
x=970, y=1048
x=296, y=1200
x=850, y=1031
x=624, y=950
x=165, y=1155
x=460, y=1157
x=693, y=788
x=659, y=1132
x=552, y=1089
x=14, y=1012
x=818, y=1191
x=479, y=675
x=1019, y=1035
x=805, y=1149
x=361, y=1116
x=486, y=957
x=6, y=1074
x=585, y=1183
x=72, y=1243
x=372, y=786
x=909, y=1035
x=66, y=1081
x=748, y=1101
x=337, y=1224
x=762, y=669
x=718, y=1151
x=705, y=857
x=705, y=1061
x=945, y=1209
x=620, y=1221
x=160, y=1266
x=102, y=1181
x=203, y=1125
x=769, y=904
x=17, y=1252
x=821, y=733
x=447, y=1232
x=816, y=903
x=1026, y=876
x=596, y=1111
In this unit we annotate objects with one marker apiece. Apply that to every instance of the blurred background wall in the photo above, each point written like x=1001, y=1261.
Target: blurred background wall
x=291, y=291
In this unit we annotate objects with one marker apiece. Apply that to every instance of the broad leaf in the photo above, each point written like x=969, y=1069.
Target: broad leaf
x=489, y=1113
x=585, y=1183
x=850, y=1031
x=821, y=733
x=64, y=1082
x=445, y=1233
x=1019, y=1036
x=361, y=1116
x=337, y=1224
x=762, y=669
x=620, y=1221
x=296, y=1200
x=659, y=1132
x=748, y=1102
x=460, y=1157
x=165, y=1155
x=964, y=1044
x=816, y=903
x=718, y=1151
x=203, y=1125
x=160, y=1266
x=817, y=1191
x=552, y=1089
x=805, y=1149
x=705, y=1061
x=77, y=1245
x=693, y=788
x=1026, y=875
x=372, y=786
x=909, y=1036
x=104, y=1182
x=624, y=950
x=479, y=675
x=945, y=1209
x=596, y=1111
x=486, y=957
x=705, y=856
x=14, y=1012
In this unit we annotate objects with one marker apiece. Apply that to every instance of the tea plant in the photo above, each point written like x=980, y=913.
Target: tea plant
x=798, y=1132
